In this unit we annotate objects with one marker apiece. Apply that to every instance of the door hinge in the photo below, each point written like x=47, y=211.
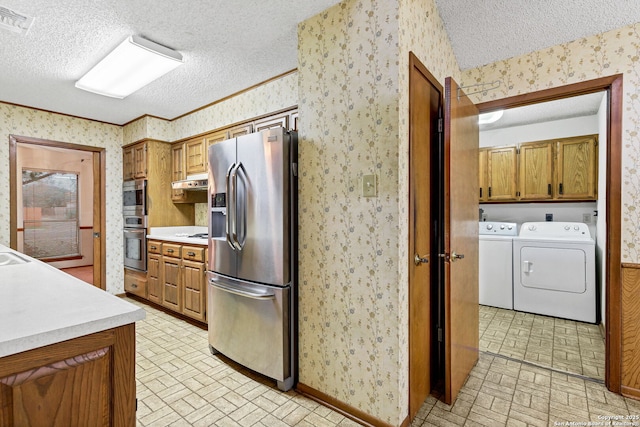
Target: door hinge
x=439, y=334
x=440, y=124
x=518, y=150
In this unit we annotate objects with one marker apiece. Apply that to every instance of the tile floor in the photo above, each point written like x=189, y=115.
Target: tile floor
x=179, y=383
x=561, y=344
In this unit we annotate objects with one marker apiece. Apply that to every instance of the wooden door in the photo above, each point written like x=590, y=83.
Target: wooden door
x=501, y=175
x=536, y=166
x=576, y=169
x=425, y=97
x=460, y=238
x=177, y=170
x=171, y=283
x=140, y=160
x=99, y=244
x=154, y=280
x=127, y=163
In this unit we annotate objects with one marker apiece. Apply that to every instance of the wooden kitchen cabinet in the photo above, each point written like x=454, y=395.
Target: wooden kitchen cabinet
x=482, y=174
x=279, y=120
x=194, y=275
x=240, y=130
x=135, y=282
x=535, y=176
x=127, y=163
x=576, y=168
x=171, y=278
x=501, y=173
x=294, y=120
x=89, y=381
x=195, y=153
x=214, y=138
x=154, y=280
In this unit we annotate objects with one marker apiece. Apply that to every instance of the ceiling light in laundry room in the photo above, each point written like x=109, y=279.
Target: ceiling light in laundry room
x=15, y=22
x=135, y=63
x=491, y=117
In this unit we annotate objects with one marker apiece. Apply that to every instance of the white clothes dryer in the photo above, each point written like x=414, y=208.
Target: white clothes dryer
x=554, y=270
x=495, y=263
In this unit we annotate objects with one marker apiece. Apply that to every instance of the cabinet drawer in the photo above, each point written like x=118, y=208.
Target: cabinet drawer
x=154, y=247
x=193, y=253
x=135, y=283
x=171, y=249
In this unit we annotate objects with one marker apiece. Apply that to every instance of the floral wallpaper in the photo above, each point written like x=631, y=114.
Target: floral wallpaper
x=348, y=84
x=20, y=121
x=613, y=52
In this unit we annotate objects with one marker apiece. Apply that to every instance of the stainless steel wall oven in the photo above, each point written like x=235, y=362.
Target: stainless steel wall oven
x=134, y=211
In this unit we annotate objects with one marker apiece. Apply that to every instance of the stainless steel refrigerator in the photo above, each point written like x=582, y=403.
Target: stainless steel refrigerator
x=252, y=290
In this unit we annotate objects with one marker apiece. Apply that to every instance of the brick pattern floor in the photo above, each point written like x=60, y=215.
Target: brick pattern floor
x=565, y=345
x=179, y=383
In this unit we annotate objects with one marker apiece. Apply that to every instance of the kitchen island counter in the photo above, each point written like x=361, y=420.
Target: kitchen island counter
x=41, y=305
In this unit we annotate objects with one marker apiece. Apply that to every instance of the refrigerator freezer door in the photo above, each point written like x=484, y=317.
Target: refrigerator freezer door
x=263, y=208
x=222, y=157
x=253, y=325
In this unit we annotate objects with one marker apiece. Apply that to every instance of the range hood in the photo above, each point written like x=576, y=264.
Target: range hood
x=193, y=182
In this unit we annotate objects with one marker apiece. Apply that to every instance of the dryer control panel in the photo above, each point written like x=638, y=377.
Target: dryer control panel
x=555, y=230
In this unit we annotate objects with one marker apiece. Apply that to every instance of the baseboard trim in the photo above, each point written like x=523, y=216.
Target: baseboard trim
x=633, y=393
x=348, y=411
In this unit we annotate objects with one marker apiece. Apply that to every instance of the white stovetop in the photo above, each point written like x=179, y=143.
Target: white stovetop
x=41, y=305
x=178, y=234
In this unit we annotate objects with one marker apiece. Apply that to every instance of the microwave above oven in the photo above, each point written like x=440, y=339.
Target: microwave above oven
x=134, y=198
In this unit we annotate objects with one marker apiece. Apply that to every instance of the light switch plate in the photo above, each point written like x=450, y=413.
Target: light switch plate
x=369, y=186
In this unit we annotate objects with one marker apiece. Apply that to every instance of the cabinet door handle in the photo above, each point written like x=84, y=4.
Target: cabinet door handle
x=549, y=189
x=560, y=188
x=170, y=251
x=489, y=191
x=154, y=248
x=191, y=253
x=481, y=192
x=133, y=285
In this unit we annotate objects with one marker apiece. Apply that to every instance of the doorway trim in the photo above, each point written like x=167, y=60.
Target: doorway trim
x=613, y=285
x=99, y=197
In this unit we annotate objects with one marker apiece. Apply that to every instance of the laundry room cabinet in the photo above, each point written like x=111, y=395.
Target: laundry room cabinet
x=501, y=174
x=551, y=170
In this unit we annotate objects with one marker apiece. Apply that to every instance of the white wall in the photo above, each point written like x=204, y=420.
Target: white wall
x=587, y=125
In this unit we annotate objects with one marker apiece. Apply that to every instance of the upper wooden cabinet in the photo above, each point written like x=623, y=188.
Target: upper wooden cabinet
x=501, y=173
x=214, y=138
x=557, y=169
x=195, y=153
x=576, y=170
x=535, y=176
x=279, y=120
x=134, y=161
x=482, y=174
x=240, y=130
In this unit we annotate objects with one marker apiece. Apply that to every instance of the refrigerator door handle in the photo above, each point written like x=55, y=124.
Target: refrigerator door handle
x=243, y=214
x=241, y=292
x=234, y=229
x=230, y=207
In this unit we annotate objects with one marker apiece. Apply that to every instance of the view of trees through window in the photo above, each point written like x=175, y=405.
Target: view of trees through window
x=50, y=214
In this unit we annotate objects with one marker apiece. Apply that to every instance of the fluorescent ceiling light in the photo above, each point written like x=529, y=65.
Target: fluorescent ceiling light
x=135, y=63
x=491, y=117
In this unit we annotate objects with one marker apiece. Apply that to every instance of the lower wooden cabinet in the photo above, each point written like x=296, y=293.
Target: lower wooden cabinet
x=135, y=282
x=176, y=278
x=86, y=381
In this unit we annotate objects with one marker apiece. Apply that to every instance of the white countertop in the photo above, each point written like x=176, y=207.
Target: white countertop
x=41, y=305
x=179, y=234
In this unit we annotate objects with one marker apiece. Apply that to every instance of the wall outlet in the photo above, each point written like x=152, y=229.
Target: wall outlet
x=548, y=217
x=586, y=218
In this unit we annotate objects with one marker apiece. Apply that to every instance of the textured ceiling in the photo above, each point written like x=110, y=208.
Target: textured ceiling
x=229, y=46
x=485, y=31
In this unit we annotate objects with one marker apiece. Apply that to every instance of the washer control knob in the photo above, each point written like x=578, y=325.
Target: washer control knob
x=510, y=227
x=566, y=227
x=575, y=227
x=501, y=226
x=532, y=227
x=489, y=226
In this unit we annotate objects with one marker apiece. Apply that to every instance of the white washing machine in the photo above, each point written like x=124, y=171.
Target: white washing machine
x=495, y=275
x=554, y=270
